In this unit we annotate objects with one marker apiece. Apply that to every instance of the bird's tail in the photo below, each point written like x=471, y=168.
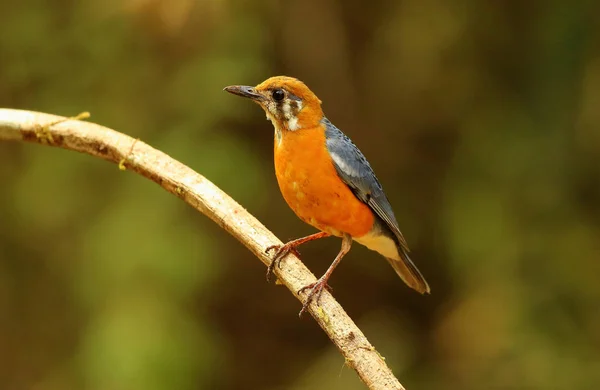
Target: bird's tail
x=409, y=272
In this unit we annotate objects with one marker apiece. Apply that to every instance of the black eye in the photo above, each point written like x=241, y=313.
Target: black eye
x=278, y=95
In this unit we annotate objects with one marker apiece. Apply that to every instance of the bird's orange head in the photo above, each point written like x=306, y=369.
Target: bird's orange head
x=287, y=101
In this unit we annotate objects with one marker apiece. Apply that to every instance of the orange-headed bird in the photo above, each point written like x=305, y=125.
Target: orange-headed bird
x=327, y=181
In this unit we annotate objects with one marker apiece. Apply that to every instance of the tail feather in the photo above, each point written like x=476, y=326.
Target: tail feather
x=409, y=273
x=407, y=270
x=393, y=247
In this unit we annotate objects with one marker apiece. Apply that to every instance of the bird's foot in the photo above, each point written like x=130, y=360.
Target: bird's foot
x=316, y=289
x=280, y=252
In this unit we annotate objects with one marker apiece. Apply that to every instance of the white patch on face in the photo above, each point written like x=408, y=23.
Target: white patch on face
x=343, y=165
x=290, y=114
x=271, y=109
x=287, y=110
x=293, y=124
x=377, y=242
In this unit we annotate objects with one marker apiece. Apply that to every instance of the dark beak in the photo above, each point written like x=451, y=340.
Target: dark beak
x=244, y=91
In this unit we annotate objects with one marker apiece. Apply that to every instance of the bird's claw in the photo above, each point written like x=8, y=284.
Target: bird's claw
x=280, y=252
x=316, y=289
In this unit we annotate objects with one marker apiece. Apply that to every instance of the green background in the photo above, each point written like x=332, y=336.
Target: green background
x=481, y=119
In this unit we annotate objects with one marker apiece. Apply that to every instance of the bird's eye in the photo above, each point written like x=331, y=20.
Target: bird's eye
x=278, y=95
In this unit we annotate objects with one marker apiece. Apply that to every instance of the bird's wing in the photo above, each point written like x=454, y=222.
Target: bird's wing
x=354, y=169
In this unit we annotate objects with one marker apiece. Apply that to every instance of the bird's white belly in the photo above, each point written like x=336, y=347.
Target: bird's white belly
x=379, y=243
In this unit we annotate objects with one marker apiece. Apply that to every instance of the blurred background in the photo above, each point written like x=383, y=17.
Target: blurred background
x=481, y=119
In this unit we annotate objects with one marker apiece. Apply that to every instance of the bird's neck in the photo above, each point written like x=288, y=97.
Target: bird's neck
x=308, y=118
x=297, y=124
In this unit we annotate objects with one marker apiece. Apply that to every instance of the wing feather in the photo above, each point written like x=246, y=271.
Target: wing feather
x=356, y=172
x=354, y=169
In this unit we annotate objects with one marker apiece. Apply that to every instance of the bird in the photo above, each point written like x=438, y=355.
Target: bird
x=327, y=181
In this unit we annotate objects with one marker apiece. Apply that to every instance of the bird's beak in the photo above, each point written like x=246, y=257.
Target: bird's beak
x=244, y=91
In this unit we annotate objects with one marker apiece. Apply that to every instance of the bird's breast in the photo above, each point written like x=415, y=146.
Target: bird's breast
x=312, y=188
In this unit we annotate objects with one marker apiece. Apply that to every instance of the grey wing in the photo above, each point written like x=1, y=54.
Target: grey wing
x=353, y=168
x=355, y=171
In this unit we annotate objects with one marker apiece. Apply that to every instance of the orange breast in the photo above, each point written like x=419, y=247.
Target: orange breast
x=312, y=188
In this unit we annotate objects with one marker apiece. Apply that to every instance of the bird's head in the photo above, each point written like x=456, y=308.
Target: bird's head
x=287, y=101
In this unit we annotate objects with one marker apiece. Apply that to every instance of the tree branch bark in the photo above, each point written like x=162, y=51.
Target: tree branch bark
x=194, y=189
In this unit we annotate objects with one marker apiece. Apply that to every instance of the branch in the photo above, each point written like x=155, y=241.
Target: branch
x=204, y=196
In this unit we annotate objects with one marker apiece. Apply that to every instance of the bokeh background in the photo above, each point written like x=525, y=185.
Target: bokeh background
x=481, y=119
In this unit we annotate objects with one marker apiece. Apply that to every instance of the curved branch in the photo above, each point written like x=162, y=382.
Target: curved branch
x=204, y=196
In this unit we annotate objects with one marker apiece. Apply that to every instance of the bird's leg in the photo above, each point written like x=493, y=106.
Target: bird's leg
x=282, y=250
x=316, y=288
